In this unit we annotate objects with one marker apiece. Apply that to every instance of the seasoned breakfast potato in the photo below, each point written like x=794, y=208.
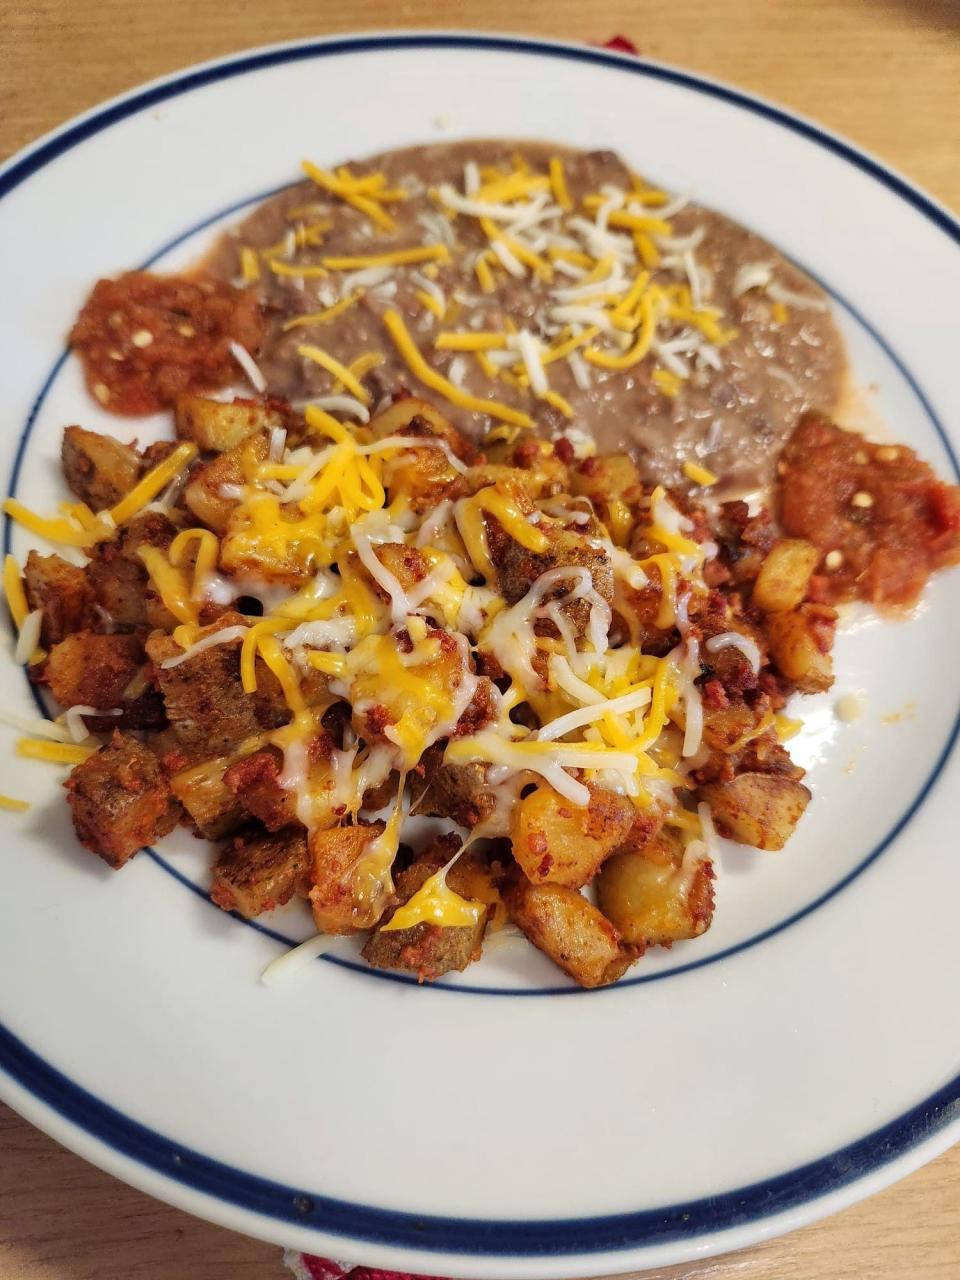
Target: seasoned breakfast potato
x=87, y=669
x=119, y=580
x=211, y=806
x=562, y=924
x=63, y=593
x=259, y=873
x=120, y=800
x=204, y=697
x=558, y=842
x=203, y=493
x=99, y=469
x=614, y=486
x=457, y=791
x=652, y=897
x=800, y=641
x=350, y=884
x=425, y=476
x=425, y=949
x=759, y=809
x=216, y=426
x=785, y=575
x=255, y=781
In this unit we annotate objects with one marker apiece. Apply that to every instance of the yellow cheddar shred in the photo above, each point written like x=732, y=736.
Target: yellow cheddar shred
x=13, y=590
x=339, y=371
x=437, y=382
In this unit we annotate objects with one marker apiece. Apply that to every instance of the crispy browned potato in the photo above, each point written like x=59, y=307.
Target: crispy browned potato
x=86, y=669
x=378, y=703
x=210, y=804
x=785, y=575
x=651, y=897
x=99, y=469
x=259, y=873
x=350, y=888
x=218, y=427
x=425, y=475
x=562, y=924
x=726, y=729
x=203, y=494
x=428, y=950
x=204, y=697
x=255, y=781
x=556, y=841
x=800, y=645
x=119, y=579
x=120, y=800
x=457, y=791
x=62, y=592
x=518, y=569
x=759, y=809
x=614, y=486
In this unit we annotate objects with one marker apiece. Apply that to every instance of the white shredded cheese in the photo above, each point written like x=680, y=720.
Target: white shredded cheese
x=225, y=636
x=29, y=637
x=736, y=640
x=249, y=366
x=295, y=959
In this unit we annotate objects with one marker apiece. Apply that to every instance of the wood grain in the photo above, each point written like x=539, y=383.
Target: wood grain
x=884, y=72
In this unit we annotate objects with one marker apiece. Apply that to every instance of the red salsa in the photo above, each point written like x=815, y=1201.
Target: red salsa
x=882, y=519
x=146, y=339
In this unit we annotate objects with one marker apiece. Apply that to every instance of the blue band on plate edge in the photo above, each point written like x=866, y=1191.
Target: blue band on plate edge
x=550, y=1237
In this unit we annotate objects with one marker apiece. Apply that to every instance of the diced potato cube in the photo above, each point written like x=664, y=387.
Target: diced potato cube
x=350, y=878
x=556, y=841
x=99, y=469
x=785, y=575
x=261, y=873
x=428, y=950
x=214, y=809
x=562, y=924
x=62, y=592
x=759, y=809
x=651, y=897
x=799, y=645
x=120, y=800
x=87, y=669
x=204, y=495
x=216, y=427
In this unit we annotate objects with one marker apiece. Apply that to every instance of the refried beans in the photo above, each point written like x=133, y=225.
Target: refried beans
x=724, y=393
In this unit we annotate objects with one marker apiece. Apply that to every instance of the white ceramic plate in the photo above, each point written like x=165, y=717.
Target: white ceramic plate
x=801, y=1055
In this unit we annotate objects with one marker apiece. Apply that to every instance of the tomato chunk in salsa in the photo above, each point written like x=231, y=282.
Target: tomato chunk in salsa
x=882, y=519
x=145, y=339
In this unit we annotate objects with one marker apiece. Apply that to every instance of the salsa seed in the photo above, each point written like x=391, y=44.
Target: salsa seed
x=860, y=458
x=833, y=559
x=186, y=330
x=142, y=338
x=887, y=453
x=862, y=499
x=102, y=392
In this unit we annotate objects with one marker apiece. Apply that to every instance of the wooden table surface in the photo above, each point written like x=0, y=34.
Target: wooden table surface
x=884, y=72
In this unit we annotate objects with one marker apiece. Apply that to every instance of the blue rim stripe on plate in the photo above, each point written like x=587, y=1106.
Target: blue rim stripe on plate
x=552, y=1237
x=534, y=1238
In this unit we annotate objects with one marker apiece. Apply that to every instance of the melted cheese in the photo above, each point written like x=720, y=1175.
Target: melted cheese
x=435, y=903
x=469, y=517
x=698, y=474
x=171, y=584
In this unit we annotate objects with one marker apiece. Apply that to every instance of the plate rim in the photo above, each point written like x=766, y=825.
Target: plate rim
x=901, y=1145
